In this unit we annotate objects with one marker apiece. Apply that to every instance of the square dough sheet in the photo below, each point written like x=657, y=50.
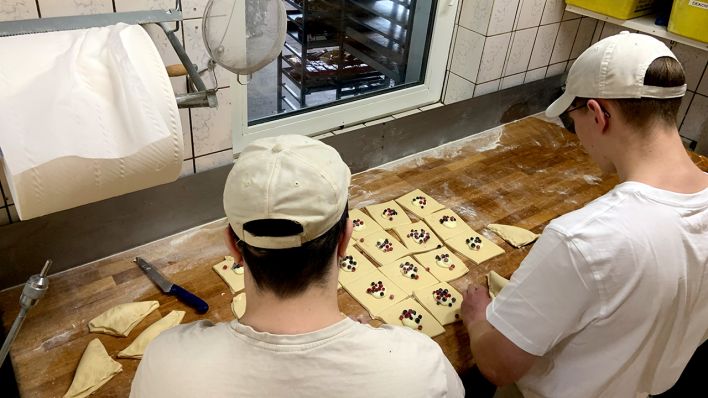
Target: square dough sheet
x=354, y=260
x=445, y=311
x=388, y=220
x=231, y=273
x=372, y=245
x=408, y=274
x=419, y=203
x=363, y=224
x=443, y=264
x=413, y=237
x=487, y=250
x=426, y=323
x=378, y=300
x=449, y=227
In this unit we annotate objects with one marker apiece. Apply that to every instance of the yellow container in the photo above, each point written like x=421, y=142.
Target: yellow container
x=689, y=18
x=620, y=9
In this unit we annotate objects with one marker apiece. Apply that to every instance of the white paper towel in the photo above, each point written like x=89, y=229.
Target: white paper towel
x=85, y=115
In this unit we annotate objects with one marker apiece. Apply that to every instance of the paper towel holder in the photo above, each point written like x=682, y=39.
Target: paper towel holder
x=199, y=96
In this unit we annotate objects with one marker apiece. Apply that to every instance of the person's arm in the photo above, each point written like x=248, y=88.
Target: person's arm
x=497, y=358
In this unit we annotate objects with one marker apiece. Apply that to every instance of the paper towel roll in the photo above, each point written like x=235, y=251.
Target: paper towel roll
x=85, y=115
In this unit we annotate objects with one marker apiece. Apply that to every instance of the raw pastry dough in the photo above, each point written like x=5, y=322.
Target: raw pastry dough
x=418, y=237
x=443, y=264
x=408, y=274
x=382, y=247
x=496, y=283
x=353, y=265
x=231, y=273
x=394, y=217
x=375, y=297
x=121, y=319
x=95, y=368
x=238, y=305
x=486, y=251
x=419, y=203
x=515, y=236
x=447, y=224
x=426, y=323
x=363, y=224
x=137, y=347
x=442, y=301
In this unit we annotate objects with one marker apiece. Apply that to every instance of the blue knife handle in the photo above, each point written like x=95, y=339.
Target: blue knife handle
x=188, y=298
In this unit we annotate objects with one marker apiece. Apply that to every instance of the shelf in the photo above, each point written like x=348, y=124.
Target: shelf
x=382, y=26
x=394, y=12
x=384, y=66
x=643, y=24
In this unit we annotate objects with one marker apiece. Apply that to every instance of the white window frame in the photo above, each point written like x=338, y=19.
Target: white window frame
x=351, y=113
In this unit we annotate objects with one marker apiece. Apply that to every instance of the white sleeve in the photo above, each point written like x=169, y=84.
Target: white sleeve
x=549, y=297
x=454, y=384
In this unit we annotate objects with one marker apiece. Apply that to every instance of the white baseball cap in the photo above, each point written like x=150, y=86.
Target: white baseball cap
x=614, y=68
x=288, y=177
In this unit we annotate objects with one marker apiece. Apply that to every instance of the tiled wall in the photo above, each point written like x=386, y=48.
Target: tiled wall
x=497, y=44
x=207, y=132
x=503, y=43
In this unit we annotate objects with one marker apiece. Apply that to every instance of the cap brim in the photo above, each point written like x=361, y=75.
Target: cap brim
x=560, y=105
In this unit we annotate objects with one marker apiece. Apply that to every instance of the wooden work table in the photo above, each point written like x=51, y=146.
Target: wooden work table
x=525, y=173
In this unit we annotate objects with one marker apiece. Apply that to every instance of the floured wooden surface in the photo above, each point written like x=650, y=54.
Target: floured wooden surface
x=524, y=173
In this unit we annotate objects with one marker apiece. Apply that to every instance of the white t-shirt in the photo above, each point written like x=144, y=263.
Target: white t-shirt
x=346, y=359
x=613, y=296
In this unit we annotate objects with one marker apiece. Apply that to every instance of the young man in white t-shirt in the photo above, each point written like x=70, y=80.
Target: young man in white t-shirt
x=286, y=203
x=612, y=300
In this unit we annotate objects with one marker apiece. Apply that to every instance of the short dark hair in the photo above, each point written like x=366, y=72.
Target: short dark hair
x=642, y=112
x=289, y=272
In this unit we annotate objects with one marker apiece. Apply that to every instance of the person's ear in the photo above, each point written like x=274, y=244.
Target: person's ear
x=344, y=238
x=601, y=118
x=232, y=246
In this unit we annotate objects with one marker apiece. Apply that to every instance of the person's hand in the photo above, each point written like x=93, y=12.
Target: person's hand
x=474, y=303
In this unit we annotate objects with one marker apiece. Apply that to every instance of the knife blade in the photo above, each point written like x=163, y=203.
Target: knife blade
x=170, y=288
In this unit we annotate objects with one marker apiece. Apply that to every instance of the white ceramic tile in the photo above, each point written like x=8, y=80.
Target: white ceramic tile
x=408, y=113
x=141, y=5
x=570, y=64
x=214, y=160
x=503, y=16
x=703, y=85
x=14, y=217
x=186, y=133
x=694, y=63
x=5, y=187
x=193, y=8
x=17, y=9
x=194, y=45
x=512, y=81
x=685, y=101
x=564, y=40
x=486, y=88
x=696, y=122
x=458, y=89
x=598, y=32
x=323, y=136
x=553, y=12
x=493, y=57
x=467, y=54
x=453, y=41
x=530, y=13
x=431, y=106
x=379, y=121
x=611, y=30
x=522, y=44
x=211, y=128
x=61, y=8
x=535, y=74
x=567, y=15
x=702, y=146
x=584, y=36
x=543, y=47
x=4, y=220
x=475, y=15
x=187, y=168
x=348, y=129
x=556, y=69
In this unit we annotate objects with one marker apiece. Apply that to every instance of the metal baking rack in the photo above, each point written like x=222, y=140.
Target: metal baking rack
x=197, y=96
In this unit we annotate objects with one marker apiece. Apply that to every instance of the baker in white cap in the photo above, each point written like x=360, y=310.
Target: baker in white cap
x=612, y=300
x=286, y=203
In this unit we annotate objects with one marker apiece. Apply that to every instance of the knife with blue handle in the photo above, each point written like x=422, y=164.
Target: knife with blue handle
x=173, y=289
